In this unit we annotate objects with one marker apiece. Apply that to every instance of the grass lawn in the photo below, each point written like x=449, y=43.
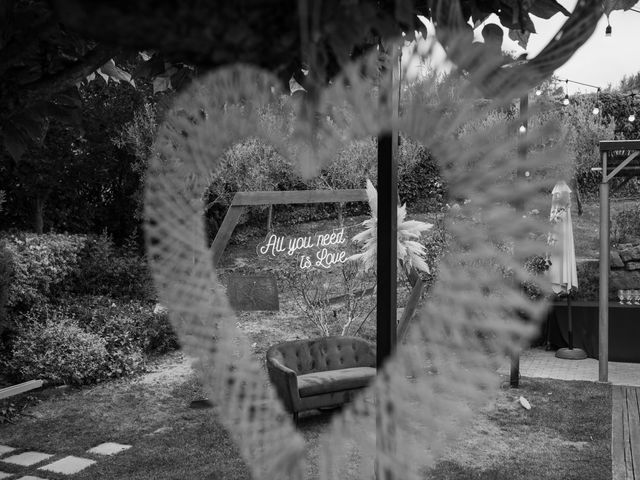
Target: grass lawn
x=188, y=443
x=565, y=435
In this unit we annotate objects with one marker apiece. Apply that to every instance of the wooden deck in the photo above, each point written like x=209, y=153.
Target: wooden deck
x=625, y=433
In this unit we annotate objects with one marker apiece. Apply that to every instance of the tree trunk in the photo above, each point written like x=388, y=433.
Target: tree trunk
x=578, y=199
x=38, y=214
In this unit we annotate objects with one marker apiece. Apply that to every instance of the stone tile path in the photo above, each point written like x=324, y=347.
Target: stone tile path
x=537, y=362
x=108, y=448
x=26, y=459
x=67, y=465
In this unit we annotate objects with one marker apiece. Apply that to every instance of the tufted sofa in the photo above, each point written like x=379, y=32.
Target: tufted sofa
x=320, y=372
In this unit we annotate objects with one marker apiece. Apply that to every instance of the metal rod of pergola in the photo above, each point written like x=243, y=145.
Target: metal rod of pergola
x=616, y=157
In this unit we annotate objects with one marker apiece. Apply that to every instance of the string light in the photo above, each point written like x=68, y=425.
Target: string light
x=596, y=109
x=538, y=92
x=522, y=129
x=607, y=31
x=632, y=117
x=566, y=95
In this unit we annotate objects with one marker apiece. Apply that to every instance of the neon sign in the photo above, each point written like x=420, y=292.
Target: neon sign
x=320, y=250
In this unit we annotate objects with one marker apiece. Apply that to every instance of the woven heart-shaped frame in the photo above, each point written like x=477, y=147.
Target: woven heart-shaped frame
x=472, y=319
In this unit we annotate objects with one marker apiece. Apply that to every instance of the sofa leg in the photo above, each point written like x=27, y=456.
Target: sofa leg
x=295, y=418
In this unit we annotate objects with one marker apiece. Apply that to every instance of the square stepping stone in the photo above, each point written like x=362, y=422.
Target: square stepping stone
x=108, y=448
x=68, y=465
x=31, y=477
x=4, y=449
x=26, y=459
x=5, y=475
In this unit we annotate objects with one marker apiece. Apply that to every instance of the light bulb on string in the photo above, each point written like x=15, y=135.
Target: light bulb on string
x=632, y=118
x=566, y=96
x=596, y=109
x=607, y=31
x=538, y=92
x=522, y=129
x=566, y=100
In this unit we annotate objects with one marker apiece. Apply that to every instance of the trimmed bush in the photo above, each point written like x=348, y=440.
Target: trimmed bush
x=50, y=266
x=43, y=266
x=117, y=336
x=58, y=351
x=7, y=272
x=132, y=323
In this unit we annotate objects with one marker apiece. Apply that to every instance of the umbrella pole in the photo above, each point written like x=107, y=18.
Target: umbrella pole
x=570, y=353
x=570, y=322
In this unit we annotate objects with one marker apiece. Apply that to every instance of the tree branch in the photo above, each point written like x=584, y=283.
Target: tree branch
x=46, y=87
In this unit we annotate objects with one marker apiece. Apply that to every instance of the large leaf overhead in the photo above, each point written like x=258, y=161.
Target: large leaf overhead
x=48, y=46
x=611, y=5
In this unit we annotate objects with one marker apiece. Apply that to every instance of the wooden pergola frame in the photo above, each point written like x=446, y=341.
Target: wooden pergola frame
x=619, y=159
x=387, y=329
x=242, y=200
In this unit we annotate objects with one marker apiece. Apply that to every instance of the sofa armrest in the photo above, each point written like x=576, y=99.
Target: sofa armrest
x=285, y=382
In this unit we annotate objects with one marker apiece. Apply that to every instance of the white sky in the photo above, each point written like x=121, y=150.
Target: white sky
x=600, y=61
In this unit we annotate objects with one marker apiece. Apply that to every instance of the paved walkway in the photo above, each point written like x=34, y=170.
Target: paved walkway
x=25, y=463
x=537, y=362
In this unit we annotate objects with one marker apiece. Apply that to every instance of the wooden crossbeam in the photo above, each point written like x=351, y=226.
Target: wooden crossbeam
x=612, y=145
x=299, y=196
x=622, y=165
x=241, y=200
x=20, y=388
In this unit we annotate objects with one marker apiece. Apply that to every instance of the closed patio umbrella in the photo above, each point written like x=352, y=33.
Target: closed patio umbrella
x=562, y=271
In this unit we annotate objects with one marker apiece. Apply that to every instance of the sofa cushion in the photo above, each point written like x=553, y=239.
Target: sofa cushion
x=328, y=381
x=325, y=353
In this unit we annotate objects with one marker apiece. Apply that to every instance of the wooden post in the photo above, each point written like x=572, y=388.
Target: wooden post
x=514, y=375
x=387, y=231
x=603, y=317
x=387, y=246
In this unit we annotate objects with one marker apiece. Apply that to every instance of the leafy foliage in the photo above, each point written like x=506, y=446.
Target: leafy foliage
x=420, y=185
x=583, y=131
x=51, y=266
x=44, y=266
x=625, y=227
x=58, y=351
x=104, y=269
x=91, y=179
x=108, y=339
x=7, y=272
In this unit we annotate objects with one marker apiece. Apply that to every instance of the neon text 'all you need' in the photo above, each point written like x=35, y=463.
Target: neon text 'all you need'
x=320, y=250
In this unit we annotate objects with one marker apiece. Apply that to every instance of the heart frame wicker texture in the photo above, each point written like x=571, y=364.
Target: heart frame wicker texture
x=474, y=317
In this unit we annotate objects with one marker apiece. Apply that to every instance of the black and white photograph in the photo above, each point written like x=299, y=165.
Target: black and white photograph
x=320, y=240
